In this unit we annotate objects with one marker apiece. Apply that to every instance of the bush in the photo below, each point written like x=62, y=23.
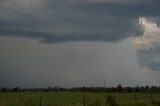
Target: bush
x=111, y=101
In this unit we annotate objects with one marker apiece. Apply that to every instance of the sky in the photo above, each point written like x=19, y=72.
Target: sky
x=72, y=43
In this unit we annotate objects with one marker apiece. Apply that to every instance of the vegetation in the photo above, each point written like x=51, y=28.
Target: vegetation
x=119, y=89
x=76, y=99
x=118, y=96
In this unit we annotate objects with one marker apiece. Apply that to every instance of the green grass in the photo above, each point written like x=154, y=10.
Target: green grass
x=76, y=99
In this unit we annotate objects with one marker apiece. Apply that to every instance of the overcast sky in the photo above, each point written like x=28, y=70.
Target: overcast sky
x=72, y=43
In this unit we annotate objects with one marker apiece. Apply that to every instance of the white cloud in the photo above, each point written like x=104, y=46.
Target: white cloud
x=148, y=45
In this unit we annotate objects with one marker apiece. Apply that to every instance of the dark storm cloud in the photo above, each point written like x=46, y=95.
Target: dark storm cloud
x=49, y=38
x=24, y=62
x=63, y=21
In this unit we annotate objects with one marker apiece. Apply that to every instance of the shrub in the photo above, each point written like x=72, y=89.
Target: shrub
x=111, y=101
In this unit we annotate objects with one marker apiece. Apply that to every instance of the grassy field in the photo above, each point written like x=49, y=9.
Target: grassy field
x=78, y=99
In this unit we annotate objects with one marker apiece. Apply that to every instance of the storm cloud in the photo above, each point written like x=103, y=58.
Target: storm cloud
x=79, y=42
x=75, y=20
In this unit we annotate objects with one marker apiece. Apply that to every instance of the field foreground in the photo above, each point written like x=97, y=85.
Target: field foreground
x=78, y=99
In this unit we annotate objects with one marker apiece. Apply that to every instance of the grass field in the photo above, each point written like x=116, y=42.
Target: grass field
x=78, y=99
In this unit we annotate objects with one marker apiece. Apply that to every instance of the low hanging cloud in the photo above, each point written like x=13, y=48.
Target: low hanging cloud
x=52, y=21
x=148, y=45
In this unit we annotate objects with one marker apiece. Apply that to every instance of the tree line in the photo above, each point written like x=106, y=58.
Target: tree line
x=119, y=89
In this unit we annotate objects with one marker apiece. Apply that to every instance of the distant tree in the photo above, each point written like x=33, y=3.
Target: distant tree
x=16, y=89
x=56, y=88
x=142, y=89
x=154, y=88
x=49, y=88
x=119, y=88
x=137, y=89
x=129, y=89
x=4, y=89
x=113, y=89
x=147, y=88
